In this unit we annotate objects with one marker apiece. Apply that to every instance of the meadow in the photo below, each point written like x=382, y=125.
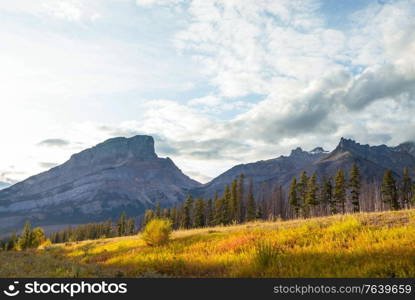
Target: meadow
x=357, y=245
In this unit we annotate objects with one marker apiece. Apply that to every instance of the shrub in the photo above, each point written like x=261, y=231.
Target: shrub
x=157, y=232
x=265, y=254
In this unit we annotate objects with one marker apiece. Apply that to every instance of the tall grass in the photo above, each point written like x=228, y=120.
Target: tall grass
x=359, y=245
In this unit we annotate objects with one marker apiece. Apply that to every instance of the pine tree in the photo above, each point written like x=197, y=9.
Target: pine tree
x=217, y=210
x=37, y=237
x=234, y=202
x=199, y=213
x=340, y=190
x=210, y=216
x=251, y=205
x=241, y=197
x=326, y=196
x=260, y=211
x=293, y=197
x=122, y=224
x=302, y=187
x=130, y=226
x=311, y=195
x=389, y=190
x=25, y=240
x=12, y=244
x=174, y=217
x=187, y=213
x=406, y=188
x=355, y=186
x=227, y=204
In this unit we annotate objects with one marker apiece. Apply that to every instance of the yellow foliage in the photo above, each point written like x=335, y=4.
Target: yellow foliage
x=358, y=245
x=157, y=232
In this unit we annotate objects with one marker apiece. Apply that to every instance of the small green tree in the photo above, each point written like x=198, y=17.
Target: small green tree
x=340, y=190
x=38, y=237
x=217, y=210
x=406, y=189
x=157, y=232
x=187, y=213
x=326, y=196
x=389, y=190
x=26, y=237
x=311, y=200
x=234, y=202
x=293, y=198
x=226, y=209
x=130, y=226
x=122, y=224
x=13, y=241
x=199, y=213
x=251, y=205
x=302, y=188
x=241, y=197
x=355, y=186
x=174, y=217
x=210, y=215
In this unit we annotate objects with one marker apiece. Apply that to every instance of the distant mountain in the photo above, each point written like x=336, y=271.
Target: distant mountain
x=120, y=174
x=125, y=174
x=268, y=174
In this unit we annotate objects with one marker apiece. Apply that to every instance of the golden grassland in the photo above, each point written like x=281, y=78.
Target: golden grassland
x=358, y=245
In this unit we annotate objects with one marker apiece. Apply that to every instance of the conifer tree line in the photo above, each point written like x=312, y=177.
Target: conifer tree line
x=33, y=238
x=29, y=238
x=123, y=227
x=307, y=196
x=237, y=204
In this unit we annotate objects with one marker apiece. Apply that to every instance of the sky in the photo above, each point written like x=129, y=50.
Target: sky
x=215, y=82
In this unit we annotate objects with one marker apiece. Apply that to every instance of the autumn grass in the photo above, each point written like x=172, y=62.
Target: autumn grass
x=358, y=245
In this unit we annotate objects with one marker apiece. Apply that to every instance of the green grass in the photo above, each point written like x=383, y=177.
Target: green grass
x=358, y=245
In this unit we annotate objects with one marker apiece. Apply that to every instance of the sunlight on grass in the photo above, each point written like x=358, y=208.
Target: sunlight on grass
x=359, y=245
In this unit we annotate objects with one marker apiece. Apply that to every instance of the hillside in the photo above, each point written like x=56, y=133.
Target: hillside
x=267, y=175
x=120, y=174
x=359, y=245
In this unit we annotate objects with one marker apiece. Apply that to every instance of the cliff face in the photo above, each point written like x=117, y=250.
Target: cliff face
x=120, y=174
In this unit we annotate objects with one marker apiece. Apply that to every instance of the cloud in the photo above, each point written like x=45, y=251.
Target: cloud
x=48, y=165
x=250, y=79
x=54, y=143
x=68, y=10
x=387, y=81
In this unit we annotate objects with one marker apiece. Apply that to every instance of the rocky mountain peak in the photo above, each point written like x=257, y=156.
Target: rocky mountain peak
x=139, y=147
x=318, y=150
x=119, y=174
x=345, y=144
x=297, y=152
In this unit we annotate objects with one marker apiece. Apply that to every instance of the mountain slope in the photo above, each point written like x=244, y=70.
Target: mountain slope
x=4, y=185
x=116, y=175
x=268, y=174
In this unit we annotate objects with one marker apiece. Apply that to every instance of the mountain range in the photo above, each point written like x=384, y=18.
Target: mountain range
x=125, y=174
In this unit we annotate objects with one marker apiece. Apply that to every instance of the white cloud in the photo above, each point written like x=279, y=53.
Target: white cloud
x=69, y=10
x=317, y=82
